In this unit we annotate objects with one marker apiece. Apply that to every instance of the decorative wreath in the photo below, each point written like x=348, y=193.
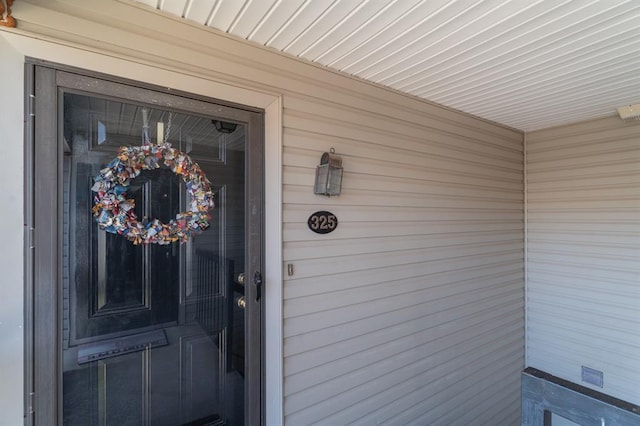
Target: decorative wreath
x=115, y=213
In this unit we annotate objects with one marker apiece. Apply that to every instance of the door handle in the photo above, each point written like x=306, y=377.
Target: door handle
x=257, y=281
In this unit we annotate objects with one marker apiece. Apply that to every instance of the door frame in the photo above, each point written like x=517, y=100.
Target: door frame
x=45, y=259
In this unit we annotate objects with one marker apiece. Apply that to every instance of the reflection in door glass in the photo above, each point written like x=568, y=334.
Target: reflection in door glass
x=151, y=334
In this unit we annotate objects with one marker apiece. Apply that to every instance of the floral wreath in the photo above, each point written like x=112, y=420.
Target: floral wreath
x=115, y=213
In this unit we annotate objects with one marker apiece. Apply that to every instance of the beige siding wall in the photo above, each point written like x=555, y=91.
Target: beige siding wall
x=412, y=310
x=583, y=304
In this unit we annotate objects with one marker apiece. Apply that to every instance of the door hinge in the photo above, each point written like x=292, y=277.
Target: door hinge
x=31, y=238
x=30, y=410
x=32, y=105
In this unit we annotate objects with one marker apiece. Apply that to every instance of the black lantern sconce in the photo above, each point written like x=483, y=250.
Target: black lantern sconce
x=329, y=175
x=224, y=126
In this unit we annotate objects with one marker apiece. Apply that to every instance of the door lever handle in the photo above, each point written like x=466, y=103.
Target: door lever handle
x=257, y=281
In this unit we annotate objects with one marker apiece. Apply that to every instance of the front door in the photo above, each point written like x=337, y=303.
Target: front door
x=164, y=327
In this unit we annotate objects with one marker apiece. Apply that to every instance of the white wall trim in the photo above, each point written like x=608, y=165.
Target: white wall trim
x=274, y=354
x=160, y=74
x=12, y=220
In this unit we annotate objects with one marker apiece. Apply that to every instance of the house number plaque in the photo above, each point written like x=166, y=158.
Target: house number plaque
x=322, y=222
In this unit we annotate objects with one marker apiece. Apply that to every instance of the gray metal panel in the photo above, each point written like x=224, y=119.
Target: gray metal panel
x=47, y=257
x=543, y=394
x=254, y=388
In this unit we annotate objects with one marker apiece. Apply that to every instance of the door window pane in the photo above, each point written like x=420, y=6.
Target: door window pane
x=152, y=334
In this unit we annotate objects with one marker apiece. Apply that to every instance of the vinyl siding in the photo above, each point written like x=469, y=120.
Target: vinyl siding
x=412, y=311
x=583, y=275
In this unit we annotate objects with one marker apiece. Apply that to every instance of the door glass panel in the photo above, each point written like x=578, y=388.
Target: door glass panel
x=151, y=334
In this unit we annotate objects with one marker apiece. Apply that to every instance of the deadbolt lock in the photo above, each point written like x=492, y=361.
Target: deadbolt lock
x=240, y=278
x=241, y=302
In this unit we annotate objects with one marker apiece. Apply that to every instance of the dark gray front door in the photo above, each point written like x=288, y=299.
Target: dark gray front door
x=145, y=334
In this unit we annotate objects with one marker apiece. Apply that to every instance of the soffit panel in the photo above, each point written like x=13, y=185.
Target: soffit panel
x=526, y=65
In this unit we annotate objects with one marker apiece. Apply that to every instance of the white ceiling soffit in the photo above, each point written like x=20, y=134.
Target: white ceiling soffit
x=522, y=63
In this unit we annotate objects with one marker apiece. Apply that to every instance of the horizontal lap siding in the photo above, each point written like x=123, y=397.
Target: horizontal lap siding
x=584, y=253
x=411, y=311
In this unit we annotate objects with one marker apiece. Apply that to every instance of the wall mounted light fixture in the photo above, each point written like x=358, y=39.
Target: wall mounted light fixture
x=224, y=126
x=329, y=175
